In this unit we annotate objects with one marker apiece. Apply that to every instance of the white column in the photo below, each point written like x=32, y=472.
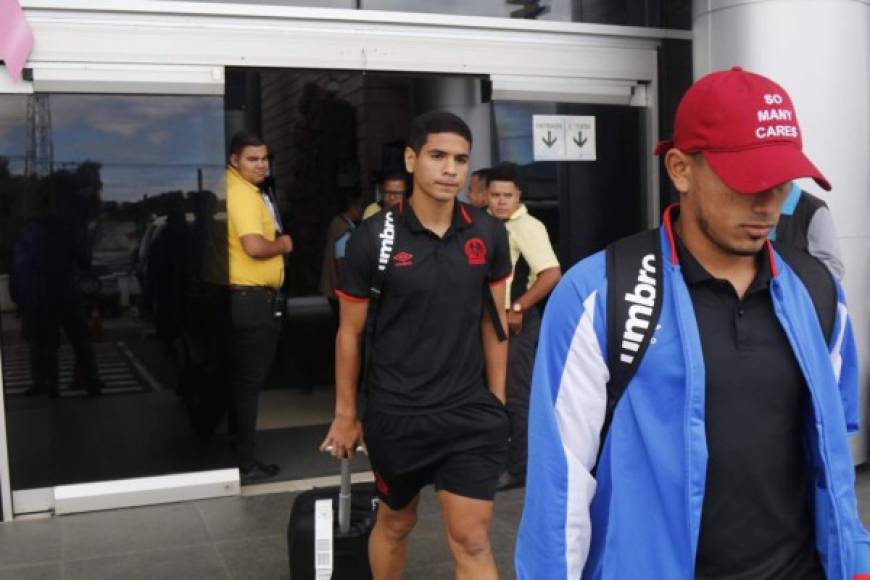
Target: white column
x=819, y=50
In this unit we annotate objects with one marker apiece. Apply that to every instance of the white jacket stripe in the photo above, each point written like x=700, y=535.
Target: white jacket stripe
x=579, y=410
x=836, y=354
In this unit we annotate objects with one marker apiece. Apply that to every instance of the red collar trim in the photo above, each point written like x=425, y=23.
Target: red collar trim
x=669, y=230
x=464, y=213
x=774, y=271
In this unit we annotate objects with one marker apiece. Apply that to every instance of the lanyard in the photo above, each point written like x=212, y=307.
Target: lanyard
x=275, y=216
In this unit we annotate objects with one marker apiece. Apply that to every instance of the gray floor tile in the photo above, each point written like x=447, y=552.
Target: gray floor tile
x=132, y=530
x=29, y=542
x=508, y=508
x=862, y=491
x=427, y=545
x=262, y=558
x=235, y=518
x=50, y=571
x=429, y=505
x=434, y=571
x=197, y=562
x=428, y=549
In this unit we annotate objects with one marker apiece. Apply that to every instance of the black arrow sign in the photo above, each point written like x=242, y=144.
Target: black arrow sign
x=580, y=140
x=550, y=140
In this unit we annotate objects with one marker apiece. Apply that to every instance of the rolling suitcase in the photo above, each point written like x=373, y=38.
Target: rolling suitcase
x=328, y=533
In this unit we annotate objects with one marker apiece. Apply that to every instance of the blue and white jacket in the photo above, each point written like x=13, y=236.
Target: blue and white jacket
x=639, y=514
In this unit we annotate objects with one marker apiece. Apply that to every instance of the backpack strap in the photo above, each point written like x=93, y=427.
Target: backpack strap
x=385, y=242
x=492, y=311
x=634, y=303
x=818, y=281
x=520, y=281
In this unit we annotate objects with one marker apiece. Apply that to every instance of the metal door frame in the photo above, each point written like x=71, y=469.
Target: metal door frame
x=150, y=46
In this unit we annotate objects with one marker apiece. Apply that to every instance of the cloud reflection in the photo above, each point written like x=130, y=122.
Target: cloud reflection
x=146, y=144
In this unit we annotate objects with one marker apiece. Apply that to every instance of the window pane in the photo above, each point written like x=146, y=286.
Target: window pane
x=101, y=257
x=584, y=204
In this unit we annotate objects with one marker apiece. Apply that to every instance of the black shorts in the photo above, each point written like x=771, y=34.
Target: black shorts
x=461, y=450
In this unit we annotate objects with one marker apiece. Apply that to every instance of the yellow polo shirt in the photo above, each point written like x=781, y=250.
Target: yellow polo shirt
x=528, y=236
x=247, y=213
x=371, y=209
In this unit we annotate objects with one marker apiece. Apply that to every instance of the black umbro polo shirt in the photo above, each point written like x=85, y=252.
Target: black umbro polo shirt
x=756, y=520
x=427, y=353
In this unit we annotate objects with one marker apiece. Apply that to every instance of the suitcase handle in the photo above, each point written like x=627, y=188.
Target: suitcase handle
x=344, y=491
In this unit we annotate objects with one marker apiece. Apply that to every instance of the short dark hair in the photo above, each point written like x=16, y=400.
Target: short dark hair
x=395, y=175
x=436, y=122
x=505, y=172
x=244, y=139
x=482, y=175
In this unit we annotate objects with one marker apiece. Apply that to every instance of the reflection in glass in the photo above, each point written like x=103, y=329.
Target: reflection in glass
x=584, y=204
x=111, y=237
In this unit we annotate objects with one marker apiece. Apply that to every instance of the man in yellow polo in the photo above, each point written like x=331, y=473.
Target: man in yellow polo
x=257, y=246
x=392, y=190
x=535, y=273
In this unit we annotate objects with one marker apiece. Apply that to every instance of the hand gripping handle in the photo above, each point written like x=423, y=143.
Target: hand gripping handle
x=344, y=491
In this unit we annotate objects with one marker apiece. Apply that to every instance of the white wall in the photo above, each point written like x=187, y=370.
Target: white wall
x=819, y=50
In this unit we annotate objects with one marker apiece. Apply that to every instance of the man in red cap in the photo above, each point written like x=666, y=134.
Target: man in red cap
x=695, y=386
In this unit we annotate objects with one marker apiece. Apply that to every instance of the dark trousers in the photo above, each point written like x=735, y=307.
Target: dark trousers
x=521, y=360
x=255, y=333
x=41, y=327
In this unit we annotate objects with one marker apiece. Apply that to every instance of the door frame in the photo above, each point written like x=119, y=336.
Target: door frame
x=120, y=46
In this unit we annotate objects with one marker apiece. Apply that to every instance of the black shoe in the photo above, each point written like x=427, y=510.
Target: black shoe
x=259, y=472
x=507, y=481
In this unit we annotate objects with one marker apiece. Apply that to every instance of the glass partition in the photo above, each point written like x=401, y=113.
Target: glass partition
x=109, y=210
x=584, y=204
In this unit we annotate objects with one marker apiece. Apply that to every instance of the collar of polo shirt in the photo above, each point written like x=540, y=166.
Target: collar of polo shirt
x=461, y=218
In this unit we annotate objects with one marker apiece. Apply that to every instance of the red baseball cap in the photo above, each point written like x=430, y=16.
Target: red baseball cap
x=746, y=127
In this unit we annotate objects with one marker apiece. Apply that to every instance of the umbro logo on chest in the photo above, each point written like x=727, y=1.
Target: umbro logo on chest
x=403, y=259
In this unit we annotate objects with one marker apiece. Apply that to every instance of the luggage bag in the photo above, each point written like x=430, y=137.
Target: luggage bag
x=328, y=533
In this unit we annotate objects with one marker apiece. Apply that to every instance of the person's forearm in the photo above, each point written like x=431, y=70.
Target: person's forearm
x=495, y=352
x=259, y=248
x=543, y=285
x=348, y=349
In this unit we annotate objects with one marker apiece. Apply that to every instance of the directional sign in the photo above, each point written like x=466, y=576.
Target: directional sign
x=549, y=136
x=580, y=135
x=564, y=138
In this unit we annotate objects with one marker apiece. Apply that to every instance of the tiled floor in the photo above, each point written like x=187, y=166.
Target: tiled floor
x=232, y=538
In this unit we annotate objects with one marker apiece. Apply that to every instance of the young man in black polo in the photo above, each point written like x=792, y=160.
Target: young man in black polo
x=429, y=417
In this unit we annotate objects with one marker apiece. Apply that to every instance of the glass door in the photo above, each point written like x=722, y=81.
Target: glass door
x=109, y=204
x=588, y=203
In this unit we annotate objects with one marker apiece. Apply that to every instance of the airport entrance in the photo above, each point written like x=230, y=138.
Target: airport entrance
x=335, y=134
x=113, y=233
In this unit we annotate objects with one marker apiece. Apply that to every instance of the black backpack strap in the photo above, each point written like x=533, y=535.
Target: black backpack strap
x=818, y=281
x=634, y=303
x=492, y=311
x=520, y=281
x=385, y=243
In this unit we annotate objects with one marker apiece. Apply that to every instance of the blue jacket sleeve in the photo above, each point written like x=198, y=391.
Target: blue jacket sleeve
x=565, y=418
